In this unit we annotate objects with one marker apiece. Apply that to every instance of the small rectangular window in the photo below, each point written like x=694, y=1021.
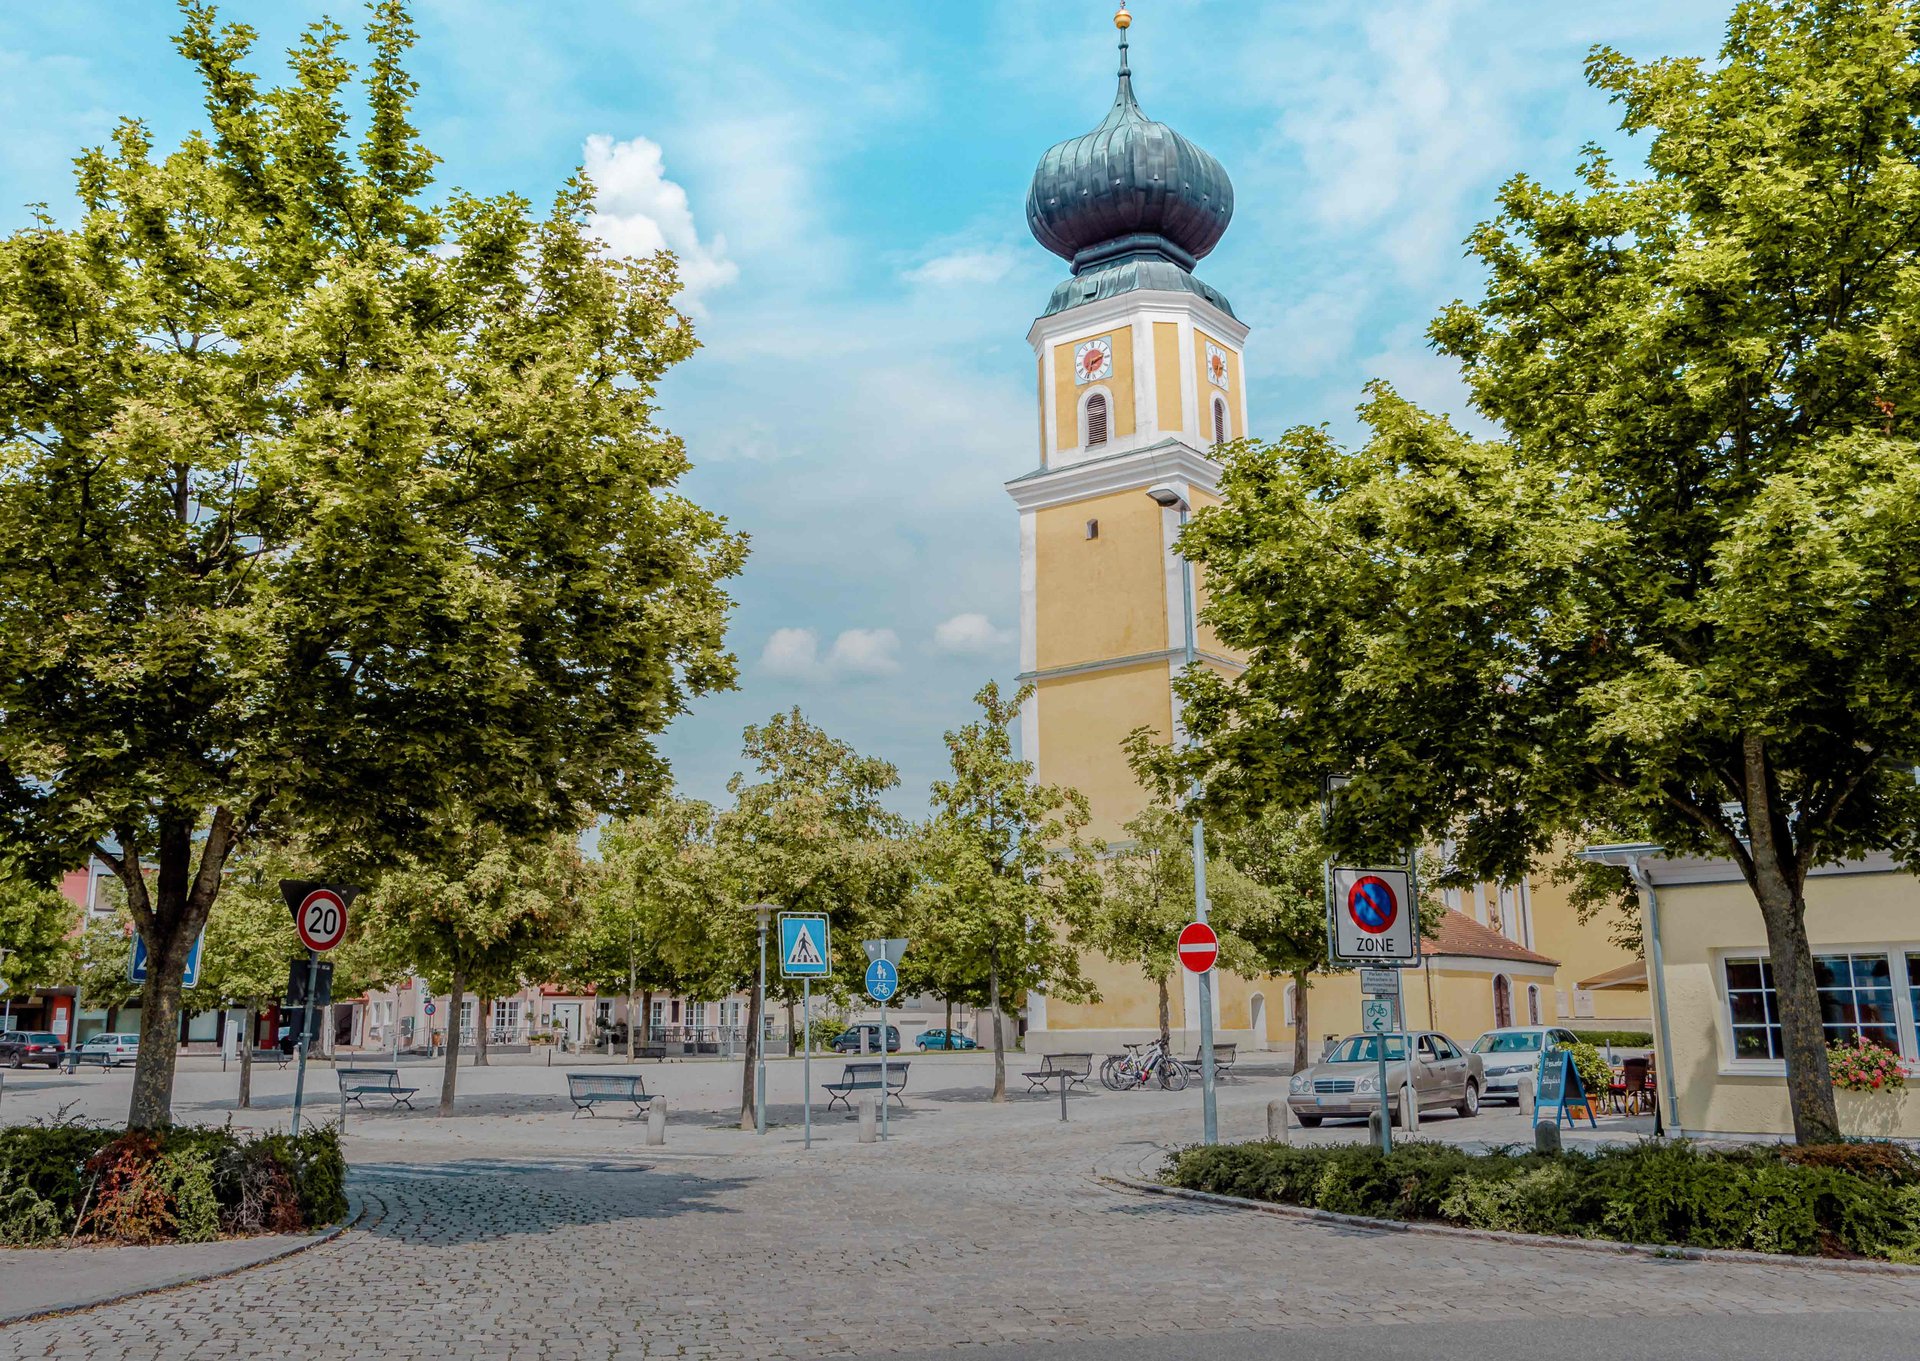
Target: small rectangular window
x=1093, y=529
x=1096, y=419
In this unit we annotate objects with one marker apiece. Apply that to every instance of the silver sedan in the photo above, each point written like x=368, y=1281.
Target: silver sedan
x=1345, y=1084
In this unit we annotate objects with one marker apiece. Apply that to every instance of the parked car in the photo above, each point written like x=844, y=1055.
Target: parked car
x=938, y=1038
x=1508, y=1052
x=848, y=1041
x=109, y=1051
x=1345, y=1084
x=21, y=1047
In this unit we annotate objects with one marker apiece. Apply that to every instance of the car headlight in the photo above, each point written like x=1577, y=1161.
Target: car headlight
x=1367, y=1084
x=1302, y=1082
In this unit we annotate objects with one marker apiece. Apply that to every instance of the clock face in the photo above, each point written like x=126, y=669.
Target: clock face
x=1217, y=366
x=1093, y=360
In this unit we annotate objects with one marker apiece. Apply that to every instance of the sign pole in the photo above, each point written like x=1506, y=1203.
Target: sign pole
x=760, y=1040
x=883, y=1069
x=1386, y=1115
x=306, y=1029
x=806, y=1052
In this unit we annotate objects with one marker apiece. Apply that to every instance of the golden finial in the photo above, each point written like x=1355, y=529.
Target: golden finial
x=1123, y=20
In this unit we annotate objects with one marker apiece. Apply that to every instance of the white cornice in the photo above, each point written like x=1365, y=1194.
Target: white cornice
x=1096, y=316
x=1167, y=461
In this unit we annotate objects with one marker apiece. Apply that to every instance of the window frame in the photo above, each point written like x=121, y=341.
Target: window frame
x=1222, y=420
x=1905, y=1002
x=1105, y=395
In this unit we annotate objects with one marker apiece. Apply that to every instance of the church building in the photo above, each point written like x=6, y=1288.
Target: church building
x=1139, y=378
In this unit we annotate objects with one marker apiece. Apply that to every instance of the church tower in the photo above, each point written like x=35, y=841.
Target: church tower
x=1139, y=370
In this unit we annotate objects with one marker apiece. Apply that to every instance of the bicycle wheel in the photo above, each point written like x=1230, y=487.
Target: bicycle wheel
x=1173, y=1075
x=1110, y=1073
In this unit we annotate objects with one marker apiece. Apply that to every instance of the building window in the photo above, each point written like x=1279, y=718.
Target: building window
x=603, y=1010
x=506, y=1014
x=1220, y=426
x=1096, y=420
x=1292, y=1004
x=1533, y=1004
x=659, y=1014
x=1856, y=1003
x=1913, y=989
x=1093, y=529
x=696, y=1013
x=1502, y=1002
x=466, y=1015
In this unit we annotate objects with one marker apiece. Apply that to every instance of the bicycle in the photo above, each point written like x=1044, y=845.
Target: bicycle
x=1122, y=1072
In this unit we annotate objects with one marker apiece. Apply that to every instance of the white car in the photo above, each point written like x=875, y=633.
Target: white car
x=110, y=1051
x=1513, y=1050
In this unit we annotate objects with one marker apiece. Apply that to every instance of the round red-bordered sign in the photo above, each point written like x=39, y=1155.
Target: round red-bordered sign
x=321, y=920
x=1373, y=905
x=1199, y=947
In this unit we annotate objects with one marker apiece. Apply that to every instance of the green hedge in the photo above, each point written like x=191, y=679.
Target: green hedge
x=1841, y=1200
x=188, y=1184
x=1619, y=1039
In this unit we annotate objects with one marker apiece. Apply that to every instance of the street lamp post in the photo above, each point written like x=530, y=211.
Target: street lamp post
x=763, y=911
x=1170, y=497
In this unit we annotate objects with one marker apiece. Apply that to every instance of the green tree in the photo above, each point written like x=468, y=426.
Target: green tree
x=1678, y=592
x=1011, y=875
x=484, y=916
x=326, y=499
x=807, y=832
x=35, y=921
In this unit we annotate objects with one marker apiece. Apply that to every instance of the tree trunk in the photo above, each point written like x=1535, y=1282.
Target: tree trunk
x=999, y=1029
x=1302, y=1031
x=748, y=1110
x=949, y=1002
x=1816, y=1115
x=246, y=1060
x=1779, y=886
x=452, y=1067
x=633, y=1011
x=646, y=1018
x=483, y=1025
x=1166, y=1021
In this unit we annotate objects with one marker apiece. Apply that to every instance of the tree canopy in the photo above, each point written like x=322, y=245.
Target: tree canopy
x=327, y=501
x=1678, y=590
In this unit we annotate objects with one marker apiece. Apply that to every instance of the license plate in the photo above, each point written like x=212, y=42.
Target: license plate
x=1321, y=1101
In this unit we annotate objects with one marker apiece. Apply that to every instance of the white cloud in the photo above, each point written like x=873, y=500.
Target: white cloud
x=971, y=265
x=794, y=654
x=639, y=211
x=865, y=652
x=969, y=635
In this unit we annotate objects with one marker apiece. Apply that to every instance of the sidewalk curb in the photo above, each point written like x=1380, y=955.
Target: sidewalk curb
x=356, y=1211
x=1728, y=1256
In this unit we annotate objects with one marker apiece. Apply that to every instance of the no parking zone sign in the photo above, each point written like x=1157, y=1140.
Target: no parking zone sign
x=1372, y=918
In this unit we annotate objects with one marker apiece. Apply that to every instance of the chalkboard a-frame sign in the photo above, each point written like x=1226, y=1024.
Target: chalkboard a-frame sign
x=1561, y=1090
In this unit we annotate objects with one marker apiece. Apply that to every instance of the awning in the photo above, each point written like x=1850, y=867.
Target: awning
x=1629, y=976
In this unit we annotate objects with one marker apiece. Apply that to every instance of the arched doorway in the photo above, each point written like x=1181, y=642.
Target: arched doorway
x=1502, y=1001
x=1258, y=1022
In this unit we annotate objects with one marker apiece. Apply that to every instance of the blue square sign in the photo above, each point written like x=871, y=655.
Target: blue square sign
x=804, y=950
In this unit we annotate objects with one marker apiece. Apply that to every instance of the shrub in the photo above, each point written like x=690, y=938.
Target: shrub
x=1838, y=1200
x=184, y=1184
x=1596, y=1074
x=1619, y=1039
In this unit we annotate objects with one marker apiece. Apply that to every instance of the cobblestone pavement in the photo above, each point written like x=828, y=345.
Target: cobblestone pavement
x=977, y=1225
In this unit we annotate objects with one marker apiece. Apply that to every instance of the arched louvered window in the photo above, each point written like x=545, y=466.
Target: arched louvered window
x=1096, y=419
x=1219, y=420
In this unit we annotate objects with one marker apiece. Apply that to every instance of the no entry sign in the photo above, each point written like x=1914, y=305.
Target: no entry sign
x=1199, y=947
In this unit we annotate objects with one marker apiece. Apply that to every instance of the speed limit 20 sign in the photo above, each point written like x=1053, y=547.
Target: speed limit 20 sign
x=319, y=911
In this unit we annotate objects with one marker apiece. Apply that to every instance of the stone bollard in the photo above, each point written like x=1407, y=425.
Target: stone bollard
x=1409, y=1109
x=1526, y=1095
x=869, y=1119
x=656, y=1123
x=1546, y=1136
x=1373, y=1128
x=1277, y=1121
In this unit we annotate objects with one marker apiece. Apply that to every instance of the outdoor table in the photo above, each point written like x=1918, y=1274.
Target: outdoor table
x=1063, y=1077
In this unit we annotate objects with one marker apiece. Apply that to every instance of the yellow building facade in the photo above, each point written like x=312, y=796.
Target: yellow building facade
x=1140, y=375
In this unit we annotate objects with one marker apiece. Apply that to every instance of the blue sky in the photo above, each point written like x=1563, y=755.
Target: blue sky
x=845, y=183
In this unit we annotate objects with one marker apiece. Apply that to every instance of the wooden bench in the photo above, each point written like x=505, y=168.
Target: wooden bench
x=865, y=1077
x=1071, y=1069
x=587, y=1090
x=1223, y=1057
x=356, y=1083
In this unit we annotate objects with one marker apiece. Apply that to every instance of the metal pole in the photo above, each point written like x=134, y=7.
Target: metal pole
x=306, y=1029
x=1209, y=1110
x=1386, y=1116
x=806, y=1053
x=760, y=1040
x=883, y=1068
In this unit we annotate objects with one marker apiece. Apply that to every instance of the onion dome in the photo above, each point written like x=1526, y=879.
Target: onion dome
x=1131, y=190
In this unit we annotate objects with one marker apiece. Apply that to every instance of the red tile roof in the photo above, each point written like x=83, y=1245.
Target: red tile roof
x=1461, y=935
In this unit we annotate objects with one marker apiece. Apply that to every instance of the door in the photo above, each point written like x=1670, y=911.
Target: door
x=1430, y=1075
x=1502, y=1002
x=566, y=1020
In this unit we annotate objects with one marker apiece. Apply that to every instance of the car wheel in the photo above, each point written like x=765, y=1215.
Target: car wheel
x=19, y=1060
x=1308, y=1121
x=1470, y=1104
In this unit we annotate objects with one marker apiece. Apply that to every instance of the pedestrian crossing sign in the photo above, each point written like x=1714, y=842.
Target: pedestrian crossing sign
x=804, y=947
